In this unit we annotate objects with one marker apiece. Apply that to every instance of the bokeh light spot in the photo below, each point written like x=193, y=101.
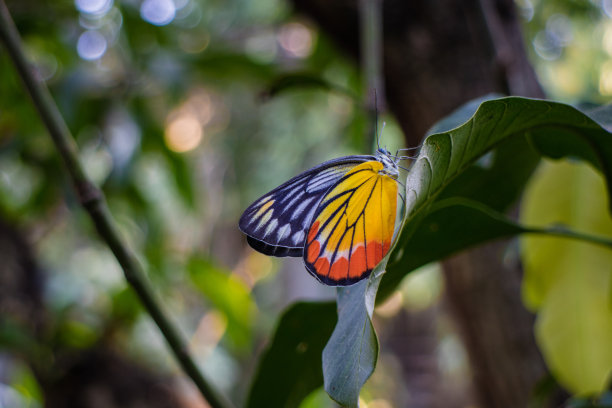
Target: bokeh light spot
x=545, y=46
x=210, y=330
x=296, y=39
x=606, y=6
x=559, y=28
x=91, y=45
x=158, y=12
x=183, y=133
x=93, y=6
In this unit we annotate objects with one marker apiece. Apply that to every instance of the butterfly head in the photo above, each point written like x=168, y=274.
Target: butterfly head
x=389, y=162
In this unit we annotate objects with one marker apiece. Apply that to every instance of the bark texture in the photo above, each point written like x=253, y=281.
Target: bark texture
x=439, y=54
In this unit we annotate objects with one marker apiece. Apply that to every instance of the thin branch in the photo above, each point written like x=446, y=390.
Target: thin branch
x=94, y=203
x=371, y=43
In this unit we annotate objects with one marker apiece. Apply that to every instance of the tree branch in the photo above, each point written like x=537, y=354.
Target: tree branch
x=94, y=203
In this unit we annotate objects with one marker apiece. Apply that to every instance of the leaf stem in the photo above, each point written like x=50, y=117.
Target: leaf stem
x=92, y=199
x=554, y=230
x=563, y=232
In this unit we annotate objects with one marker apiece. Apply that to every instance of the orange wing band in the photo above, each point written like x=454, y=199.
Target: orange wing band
x=353, y=226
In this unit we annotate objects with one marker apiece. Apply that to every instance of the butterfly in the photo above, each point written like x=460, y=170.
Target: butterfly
x=340, y=216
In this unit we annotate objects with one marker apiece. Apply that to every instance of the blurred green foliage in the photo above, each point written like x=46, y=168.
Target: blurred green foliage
x=570, y=43
x=182, y=123
x=183, y=117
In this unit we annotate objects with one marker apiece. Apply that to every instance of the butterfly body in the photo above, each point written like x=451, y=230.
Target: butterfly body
x=339, y=216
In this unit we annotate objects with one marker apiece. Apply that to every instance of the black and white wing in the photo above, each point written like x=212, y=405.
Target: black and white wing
x=276, y=224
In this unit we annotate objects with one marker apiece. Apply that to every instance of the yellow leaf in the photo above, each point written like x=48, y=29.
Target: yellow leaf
x=567, y=281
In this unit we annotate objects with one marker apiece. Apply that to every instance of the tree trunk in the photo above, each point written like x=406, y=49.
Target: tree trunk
x=439, y=54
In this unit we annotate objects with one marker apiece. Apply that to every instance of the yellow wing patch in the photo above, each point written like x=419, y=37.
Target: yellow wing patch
x=353, y=227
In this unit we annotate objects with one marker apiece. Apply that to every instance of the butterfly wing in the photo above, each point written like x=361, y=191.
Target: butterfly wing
x=353, y=226
x=276, y=223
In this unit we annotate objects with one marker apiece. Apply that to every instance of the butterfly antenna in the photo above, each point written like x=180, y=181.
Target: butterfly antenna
x=410, y=148
x=400, y=158
x=376, y=119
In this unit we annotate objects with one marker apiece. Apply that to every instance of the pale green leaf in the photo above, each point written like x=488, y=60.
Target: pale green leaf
x=567, y=281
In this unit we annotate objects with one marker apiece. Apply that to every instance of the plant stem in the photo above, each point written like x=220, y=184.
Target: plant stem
x=92, y=199
x=371, y=40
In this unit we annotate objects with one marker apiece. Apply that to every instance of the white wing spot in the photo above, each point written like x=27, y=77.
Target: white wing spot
x=284, y=231
x=298, y=237
x=306, y=220
x=290, y=191
x=271, y=227
x=293, y=201
x=320, y=182
x=300, y=208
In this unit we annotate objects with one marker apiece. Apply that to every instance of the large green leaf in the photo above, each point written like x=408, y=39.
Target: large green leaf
x=566, y=281
x=291, y=366
x=442, y=230
x=451, y=190
x=446, y=157
x=349, y=358
x=443, y=217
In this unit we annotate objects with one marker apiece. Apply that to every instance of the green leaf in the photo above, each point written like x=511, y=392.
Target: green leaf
x=229, y=295
x=453, y=194
x=450, y=164
x=318, y=399
x=445, y=156
x=290, y=369
x=442, y=231
x=349, y=358
x=566, y=281
x=460, y=115
x=481, y=181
